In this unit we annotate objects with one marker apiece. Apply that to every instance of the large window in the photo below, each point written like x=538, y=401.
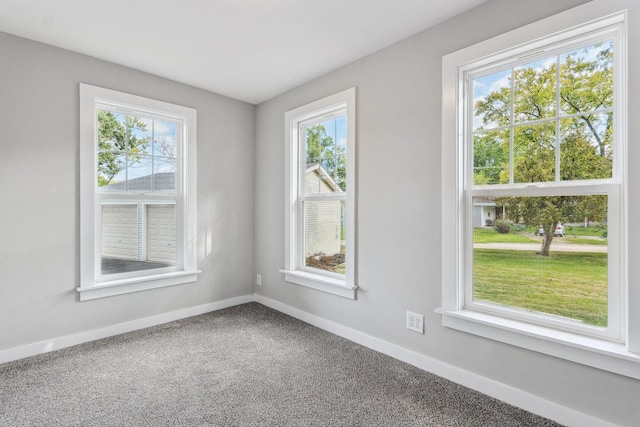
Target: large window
x=534, y=210
x=138, y=193
x=320, y=195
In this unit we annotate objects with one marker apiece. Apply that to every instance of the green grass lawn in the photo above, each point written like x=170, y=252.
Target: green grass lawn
x=490, y=235
x=576, y=230
x=567, y=284
x=574, y=240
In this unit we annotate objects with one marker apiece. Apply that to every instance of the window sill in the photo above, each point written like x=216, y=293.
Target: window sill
x=598, y=353
x=321, y=283
x=135, y=284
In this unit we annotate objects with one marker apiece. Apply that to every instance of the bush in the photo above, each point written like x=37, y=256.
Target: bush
x=502, y=226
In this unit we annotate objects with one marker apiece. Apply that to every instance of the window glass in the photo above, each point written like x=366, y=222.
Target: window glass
x=325, y=166
x=325, y=235
x=137, y=154
x=547, y=122
x=508, y=270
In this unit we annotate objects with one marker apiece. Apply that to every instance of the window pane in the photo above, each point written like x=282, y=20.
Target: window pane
x=491, y=157
x=534, y=156
x=165, y=139
x=164, y=176
x=492, y=100
x=586, y=79
x=139, y=173
x=544, y=254
x=324, y=235
x=326, y=156
x=586, y=150
x=112, y=171
x=128, y=246
x=139, y=134
x=111, y=131
x=534, y=93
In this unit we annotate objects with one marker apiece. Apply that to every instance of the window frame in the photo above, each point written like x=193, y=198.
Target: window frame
x=617, y=352
x=295, y=162
x=92, y=283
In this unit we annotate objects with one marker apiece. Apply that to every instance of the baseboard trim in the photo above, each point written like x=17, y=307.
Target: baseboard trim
x=120, y=328
x=500, y=391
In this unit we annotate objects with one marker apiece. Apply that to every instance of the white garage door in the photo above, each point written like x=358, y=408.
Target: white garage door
x=120, y=231
x=161, y=233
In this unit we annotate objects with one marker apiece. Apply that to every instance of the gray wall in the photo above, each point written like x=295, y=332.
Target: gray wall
x=39, y=154
x=399, y=189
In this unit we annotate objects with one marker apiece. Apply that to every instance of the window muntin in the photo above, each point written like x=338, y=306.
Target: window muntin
x=320, y=185
x=138, y=189
x=541, y=142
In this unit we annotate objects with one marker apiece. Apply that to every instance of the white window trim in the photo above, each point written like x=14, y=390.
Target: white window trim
x=91, y=286
x=619, y=357
x=293, y=272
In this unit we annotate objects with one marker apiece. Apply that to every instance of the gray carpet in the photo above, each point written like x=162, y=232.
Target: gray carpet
x=243, y=366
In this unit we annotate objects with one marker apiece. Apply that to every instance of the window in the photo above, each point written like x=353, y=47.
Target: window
x=534, y=146
x=138, y=193
x=320, y=188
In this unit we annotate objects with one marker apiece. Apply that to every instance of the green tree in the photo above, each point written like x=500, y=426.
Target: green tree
x=117, y=144
x=322, y=149
x=584, y=134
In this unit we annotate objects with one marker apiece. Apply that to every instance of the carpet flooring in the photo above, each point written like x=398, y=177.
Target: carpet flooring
x=243, y=366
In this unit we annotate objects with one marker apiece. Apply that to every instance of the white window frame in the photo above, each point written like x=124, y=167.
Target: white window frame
x=92, y=284
x=294, y=270
x=618, y=349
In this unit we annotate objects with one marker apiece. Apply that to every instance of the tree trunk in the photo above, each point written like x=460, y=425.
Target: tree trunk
x=546, y=240
x=546, y=243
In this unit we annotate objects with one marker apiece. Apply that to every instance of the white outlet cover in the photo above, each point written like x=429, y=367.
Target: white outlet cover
x=415, y=322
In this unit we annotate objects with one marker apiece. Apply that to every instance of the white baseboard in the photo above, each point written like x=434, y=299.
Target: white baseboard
x=120, y=328
x=503, y=392
x=500, y=391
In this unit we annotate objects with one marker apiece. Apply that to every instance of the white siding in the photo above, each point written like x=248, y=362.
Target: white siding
x=322, y=220
x=314, y=185
x=322, y=225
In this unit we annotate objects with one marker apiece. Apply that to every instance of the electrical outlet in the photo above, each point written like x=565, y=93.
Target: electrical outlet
x=415, y=322
x=259, y=279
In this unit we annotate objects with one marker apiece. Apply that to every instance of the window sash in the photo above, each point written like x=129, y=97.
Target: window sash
x=146, y=200
x=523, y=56
x=303, y=196
x=614, y=331
x=180, y=163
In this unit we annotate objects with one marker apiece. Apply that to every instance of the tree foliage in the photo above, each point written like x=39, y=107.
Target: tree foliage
x=322, y=149
x=578, y=118
x=118, y=144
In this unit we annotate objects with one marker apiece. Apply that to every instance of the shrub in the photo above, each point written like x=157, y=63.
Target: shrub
x=502, y=226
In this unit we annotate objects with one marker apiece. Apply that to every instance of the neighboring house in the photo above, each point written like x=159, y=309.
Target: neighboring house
x=152, y=225
x=323, y=220
x=485, y=212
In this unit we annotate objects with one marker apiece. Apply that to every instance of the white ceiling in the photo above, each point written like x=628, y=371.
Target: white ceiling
x=250, y=50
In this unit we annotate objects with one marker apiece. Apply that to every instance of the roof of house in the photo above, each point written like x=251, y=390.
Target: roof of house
x=324, y=175
x=161, y=181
